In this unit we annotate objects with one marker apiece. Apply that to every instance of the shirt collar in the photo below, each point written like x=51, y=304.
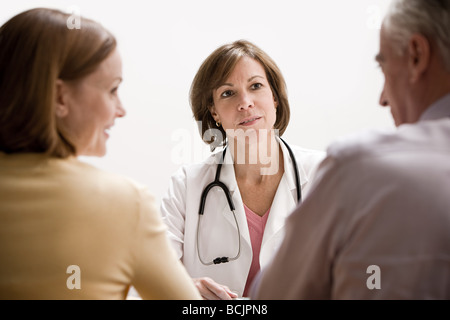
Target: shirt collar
x=437, y=110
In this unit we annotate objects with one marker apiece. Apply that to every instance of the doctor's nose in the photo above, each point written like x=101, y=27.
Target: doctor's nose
x=245, y=102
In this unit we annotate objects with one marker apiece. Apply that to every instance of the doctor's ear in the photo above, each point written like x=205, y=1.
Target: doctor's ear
x=62, y=99
x=213, y=112
x=275, y=100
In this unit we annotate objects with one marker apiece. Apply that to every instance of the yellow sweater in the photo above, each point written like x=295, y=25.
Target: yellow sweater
x=71, y=231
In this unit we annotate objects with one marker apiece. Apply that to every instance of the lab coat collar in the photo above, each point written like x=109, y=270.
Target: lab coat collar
x=289, y=169
x=227, y=175
x=439, y=109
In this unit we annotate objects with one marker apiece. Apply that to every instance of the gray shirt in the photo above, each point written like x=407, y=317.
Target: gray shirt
x=376, y=223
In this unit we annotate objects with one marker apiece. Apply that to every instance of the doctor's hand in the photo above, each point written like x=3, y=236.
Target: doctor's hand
x=211, y=290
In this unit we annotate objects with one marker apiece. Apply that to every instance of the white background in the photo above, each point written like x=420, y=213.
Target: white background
x=325, y=50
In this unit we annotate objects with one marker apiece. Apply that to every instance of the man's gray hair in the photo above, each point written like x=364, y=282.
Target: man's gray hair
x=430, y=18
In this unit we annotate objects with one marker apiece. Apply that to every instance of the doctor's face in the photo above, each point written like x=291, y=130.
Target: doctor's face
x=92, y=105
x=245, y=101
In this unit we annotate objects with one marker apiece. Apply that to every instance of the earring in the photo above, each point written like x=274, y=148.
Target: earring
x=217, y=124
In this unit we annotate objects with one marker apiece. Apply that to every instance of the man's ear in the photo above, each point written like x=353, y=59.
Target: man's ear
x=419, y=50
x=62, y=99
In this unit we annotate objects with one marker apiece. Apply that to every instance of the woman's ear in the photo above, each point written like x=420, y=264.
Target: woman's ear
x=212, y=110
x=62, y=99
x=275, y=99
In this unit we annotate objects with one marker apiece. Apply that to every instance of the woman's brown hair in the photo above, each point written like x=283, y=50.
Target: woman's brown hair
x=216, y=69
x=36, y=49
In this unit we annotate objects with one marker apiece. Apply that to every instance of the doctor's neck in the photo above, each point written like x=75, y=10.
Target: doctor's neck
x=255, y=152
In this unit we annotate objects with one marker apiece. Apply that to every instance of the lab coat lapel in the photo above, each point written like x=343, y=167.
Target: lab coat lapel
x=283, y=204
x=289, y=172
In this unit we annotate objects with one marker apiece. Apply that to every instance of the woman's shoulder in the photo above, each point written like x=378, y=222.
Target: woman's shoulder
x=103, y=181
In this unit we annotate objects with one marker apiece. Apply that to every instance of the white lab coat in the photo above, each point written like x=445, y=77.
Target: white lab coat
x=218, y=236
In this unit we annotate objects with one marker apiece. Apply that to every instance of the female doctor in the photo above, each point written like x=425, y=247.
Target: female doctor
x=226, y=216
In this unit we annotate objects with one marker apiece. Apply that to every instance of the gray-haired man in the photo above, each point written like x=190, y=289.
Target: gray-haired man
x=376, y=223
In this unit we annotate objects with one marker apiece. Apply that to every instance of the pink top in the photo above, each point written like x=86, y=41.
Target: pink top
x=256, y=225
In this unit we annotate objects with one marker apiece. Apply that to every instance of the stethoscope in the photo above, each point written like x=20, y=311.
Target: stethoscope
x=217, y=183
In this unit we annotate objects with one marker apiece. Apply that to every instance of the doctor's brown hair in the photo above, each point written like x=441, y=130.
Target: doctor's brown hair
x=216, y=69
x=36, y=49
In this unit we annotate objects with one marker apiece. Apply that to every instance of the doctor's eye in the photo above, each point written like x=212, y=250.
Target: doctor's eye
x=256, y=86
x=226, y=94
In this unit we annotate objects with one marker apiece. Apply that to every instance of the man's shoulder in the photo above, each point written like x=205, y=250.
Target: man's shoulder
x=408, y=138
x=360, y=143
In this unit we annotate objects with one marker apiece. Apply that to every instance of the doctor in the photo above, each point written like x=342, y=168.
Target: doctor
x=239, y=95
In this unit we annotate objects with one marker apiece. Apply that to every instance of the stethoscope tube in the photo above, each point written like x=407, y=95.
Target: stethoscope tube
x=297, y=178
x=221, y=185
